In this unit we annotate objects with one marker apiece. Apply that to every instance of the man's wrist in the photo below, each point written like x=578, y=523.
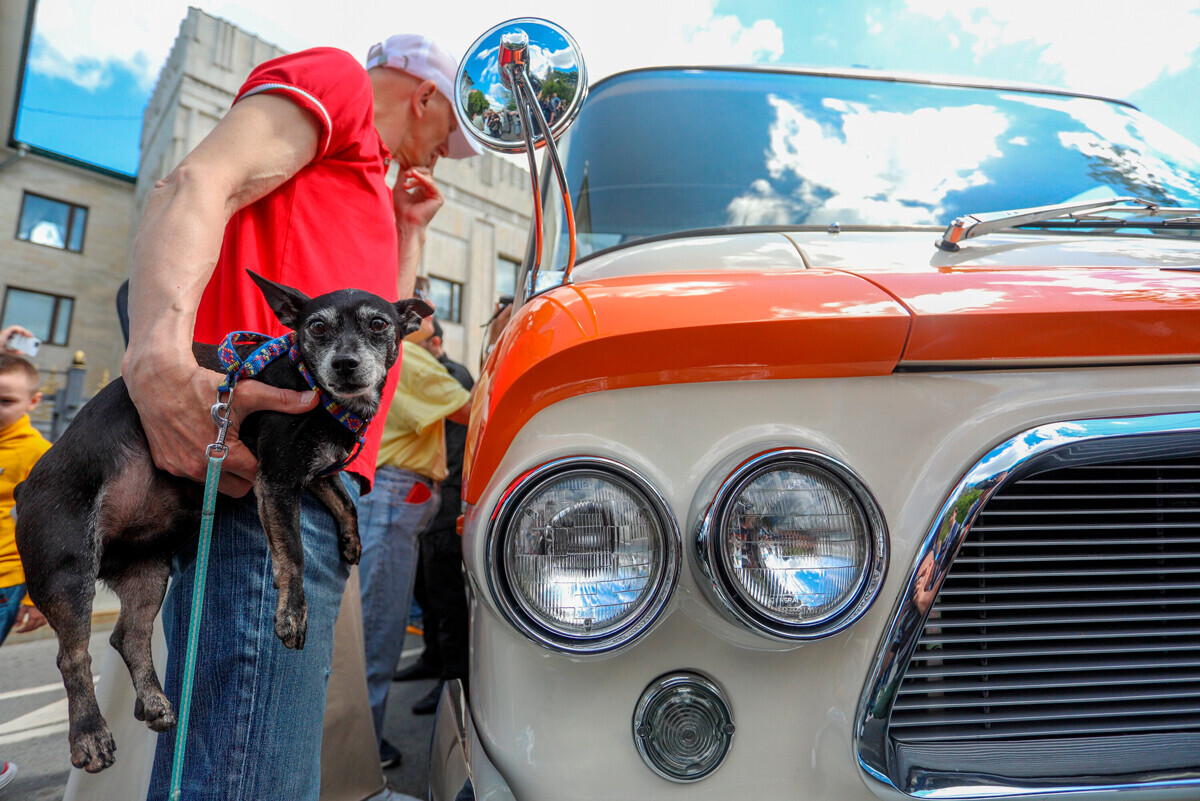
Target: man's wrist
x=411, y=231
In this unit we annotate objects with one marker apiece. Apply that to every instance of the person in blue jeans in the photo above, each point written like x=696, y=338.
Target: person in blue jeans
x=412, y=463
x=292, y=184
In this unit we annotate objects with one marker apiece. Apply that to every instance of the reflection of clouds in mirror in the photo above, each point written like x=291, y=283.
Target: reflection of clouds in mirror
x=915, y=160
x=1120, y=141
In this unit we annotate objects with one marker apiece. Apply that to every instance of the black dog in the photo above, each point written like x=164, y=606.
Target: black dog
x=96, y=506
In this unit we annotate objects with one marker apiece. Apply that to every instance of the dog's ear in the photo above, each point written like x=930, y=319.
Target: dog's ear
x=283, y=300
x=411, y=312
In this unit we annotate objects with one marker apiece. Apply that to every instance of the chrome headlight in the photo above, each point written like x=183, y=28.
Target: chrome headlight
x=583, y=555
x=794, y=545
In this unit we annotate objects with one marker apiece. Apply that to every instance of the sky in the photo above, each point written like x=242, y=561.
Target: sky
x=93, y=63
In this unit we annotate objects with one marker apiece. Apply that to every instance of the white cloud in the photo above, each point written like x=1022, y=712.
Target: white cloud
x=915, y=159
x=87, y=37
x=1103, y=46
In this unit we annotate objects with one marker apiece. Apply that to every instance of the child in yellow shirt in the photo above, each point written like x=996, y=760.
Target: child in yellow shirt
x=20, y=446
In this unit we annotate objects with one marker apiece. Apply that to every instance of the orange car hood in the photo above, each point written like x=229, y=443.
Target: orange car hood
x=1030, y=298
x=806, y=305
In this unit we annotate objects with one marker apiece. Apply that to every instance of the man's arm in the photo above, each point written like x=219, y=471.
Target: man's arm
x=462, y=415
x=416, y=199
x=261, y=143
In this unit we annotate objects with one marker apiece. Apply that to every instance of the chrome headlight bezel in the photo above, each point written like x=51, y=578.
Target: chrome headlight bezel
x=713, y=576
x=540, y=631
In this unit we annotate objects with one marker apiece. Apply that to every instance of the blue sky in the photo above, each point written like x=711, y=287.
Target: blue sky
x=93, y=62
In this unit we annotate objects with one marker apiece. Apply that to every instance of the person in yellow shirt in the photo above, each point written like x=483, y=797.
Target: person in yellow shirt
x=20, y=446
x=412, y=462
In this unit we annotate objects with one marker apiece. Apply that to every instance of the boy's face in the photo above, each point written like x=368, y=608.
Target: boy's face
x=18, y=396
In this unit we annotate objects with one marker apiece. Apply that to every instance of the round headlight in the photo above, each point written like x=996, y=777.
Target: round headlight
x=796, y=544
x=584, y=555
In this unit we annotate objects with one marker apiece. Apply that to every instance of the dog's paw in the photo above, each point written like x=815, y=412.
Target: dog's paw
x=156, y=711
x=351, y=551
x=291, y=626
x=93, y=750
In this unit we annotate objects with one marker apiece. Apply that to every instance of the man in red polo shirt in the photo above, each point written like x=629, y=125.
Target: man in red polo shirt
x=291, y=185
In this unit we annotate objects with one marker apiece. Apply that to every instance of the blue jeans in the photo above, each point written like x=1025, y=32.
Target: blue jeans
x=389, y=520
x=10, y=604
x=257, y=707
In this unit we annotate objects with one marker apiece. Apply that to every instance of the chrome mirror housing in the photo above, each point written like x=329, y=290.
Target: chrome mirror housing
x=520, y=85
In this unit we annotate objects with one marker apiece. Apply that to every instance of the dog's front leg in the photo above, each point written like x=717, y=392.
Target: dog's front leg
x=332, y=492
x=279, y=510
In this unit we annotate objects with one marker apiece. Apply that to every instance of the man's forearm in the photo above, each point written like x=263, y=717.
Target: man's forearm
x=412, y=240
x=174, y=255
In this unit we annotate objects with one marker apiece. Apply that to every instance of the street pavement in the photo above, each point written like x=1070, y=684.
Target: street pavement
x=33, y=721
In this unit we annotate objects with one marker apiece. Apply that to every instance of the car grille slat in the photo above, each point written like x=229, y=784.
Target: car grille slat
x=1072, y=609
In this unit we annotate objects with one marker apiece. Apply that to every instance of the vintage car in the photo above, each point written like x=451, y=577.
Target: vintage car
x=857, y=457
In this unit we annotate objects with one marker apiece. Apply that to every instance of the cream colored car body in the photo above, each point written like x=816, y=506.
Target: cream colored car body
x=543, y=726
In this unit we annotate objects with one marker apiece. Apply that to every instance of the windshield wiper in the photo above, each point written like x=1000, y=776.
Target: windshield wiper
x=973, y=225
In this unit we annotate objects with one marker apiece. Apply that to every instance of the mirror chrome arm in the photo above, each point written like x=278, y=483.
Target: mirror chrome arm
x=559, y=173
x=519, y=89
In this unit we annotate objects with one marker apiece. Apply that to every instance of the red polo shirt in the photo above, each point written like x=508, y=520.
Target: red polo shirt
x=331, y=226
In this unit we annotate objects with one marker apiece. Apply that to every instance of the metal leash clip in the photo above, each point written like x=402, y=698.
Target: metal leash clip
x=221, y=411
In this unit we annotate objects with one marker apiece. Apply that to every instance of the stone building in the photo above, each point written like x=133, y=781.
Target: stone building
x=74, y=223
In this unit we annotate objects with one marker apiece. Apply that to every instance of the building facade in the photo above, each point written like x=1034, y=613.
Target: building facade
x=73, y=224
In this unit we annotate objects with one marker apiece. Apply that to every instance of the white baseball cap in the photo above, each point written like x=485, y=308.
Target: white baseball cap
x=422, y=57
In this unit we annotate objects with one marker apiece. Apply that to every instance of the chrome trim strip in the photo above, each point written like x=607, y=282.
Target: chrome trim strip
x=725, y=597
x=1069, y=442
x=668, y=682
x=536, y=631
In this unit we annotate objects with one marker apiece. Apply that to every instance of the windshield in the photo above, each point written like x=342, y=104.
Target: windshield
x=661, y=151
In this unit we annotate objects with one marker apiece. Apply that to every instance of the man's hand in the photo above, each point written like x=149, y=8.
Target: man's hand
x=7, y=332
x=416, y=198
x=174, y=399
x=29, y=619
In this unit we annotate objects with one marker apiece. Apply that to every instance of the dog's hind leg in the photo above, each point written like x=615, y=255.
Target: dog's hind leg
x=68, y=608
x=279, y=510
x=141, y=587
x=332, y=492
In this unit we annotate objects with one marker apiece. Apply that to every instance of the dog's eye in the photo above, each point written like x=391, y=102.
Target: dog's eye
x=379, y=324
x=317, y=327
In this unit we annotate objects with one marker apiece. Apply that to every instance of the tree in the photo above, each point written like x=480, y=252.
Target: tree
x=476, y=103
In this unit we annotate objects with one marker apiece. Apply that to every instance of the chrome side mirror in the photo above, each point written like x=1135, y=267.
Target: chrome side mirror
x=520, y=85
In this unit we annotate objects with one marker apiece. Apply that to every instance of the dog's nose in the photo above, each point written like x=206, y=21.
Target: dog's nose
x=345, y=363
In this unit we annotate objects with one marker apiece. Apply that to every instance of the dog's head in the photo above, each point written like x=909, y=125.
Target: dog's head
x=349, y=339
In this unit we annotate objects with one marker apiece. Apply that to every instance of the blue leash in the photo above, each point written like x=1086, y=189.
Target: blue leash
x=216, y=454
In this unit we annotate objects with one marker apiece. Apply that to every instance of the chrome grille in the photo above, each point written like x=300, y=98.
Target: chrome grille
x=1071, y=610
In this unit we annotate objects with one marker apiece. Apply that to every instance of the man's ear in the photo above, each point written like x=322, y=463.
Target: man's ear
x=423, y=96
x=283, y=300
x=411, y=311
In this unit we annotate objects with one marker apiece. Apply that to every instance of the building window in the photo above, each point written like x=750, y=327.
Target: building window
x=506, y=276
x=52, y=223
x=447, y=299
x=47, y=316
